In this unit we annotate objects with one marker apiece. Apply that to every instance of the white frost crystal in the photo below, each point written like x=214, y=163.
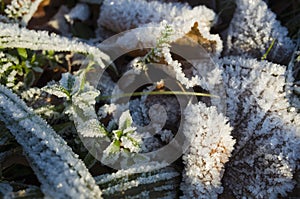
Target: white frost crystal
x=17, y=8
x=125, y=138
x=208, y=134
x=12, y=36
x=252, y=30
x=59, y=170
x=123, y=15
x=80, y=101
x=267, y=151
x=255, y=88
x=21, y=10
x=262, y=124
x=151, y=181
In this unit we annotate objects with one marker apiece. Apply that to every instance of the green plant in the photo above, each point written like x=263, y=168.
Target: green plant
x=20, y=68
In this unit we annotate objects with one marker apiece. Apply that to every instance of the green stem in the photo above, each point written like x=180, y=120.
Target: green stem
x=268, y=51
x=158, y=93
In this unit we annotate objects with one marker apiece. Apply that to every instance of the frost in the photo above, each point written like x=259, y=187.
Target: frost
x=131, y=181
x=252, y=30
x=253, y=94
x=12, y=36
x=208, y=135
x=50, y=157
x=267, y=132
x=22, y=10
x=124, y=140
x=80, y=101
x=128, y=14
x=255, y=88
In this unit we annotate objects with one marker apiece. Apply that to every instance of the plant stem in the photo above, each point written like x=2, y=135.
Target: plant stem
x=158, y=93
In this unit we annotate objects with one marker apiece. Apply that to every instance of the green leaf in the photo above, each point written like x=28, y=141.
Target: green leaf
x=118, y=134
x=23, y=53
x=33, y=58
x=115, y=146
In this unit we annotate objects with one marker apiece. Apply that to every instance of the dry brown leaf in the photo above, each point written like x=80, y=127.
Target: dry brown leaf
x=194, y=37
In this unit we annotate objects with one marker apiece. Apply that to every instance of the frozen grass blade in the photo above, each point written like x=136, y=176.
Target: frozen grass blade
x=57, y=167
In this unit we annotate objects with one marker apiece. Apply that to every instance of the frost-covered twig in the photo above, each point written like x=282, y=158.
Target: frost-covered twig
x=208, y=134
x=252, y=30
x=161, y=52
x=59, y=170
x=12, y=36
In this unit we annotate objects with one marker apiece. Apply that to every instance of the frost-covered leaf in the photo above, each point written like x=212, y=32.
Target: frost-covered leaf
x=266, y=154
x=125, y=120
x=57, y=90
x=125, y=142
x=59, y=170
x=143, y=182
x=252, y=30
x=148, y=15
x=12, y=36
x=69, y=82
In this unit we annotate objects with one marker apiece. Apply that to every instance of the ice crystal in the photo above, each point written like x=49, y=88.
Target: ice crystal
x=132, y=182
x=22, y=10
x=12, y=36
x=252, y=30
x=59, y=170
x=128, y=14
x=256, y=87
x=80, y=102
x=124, y=138
x=210, y=147
x=267, y=131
